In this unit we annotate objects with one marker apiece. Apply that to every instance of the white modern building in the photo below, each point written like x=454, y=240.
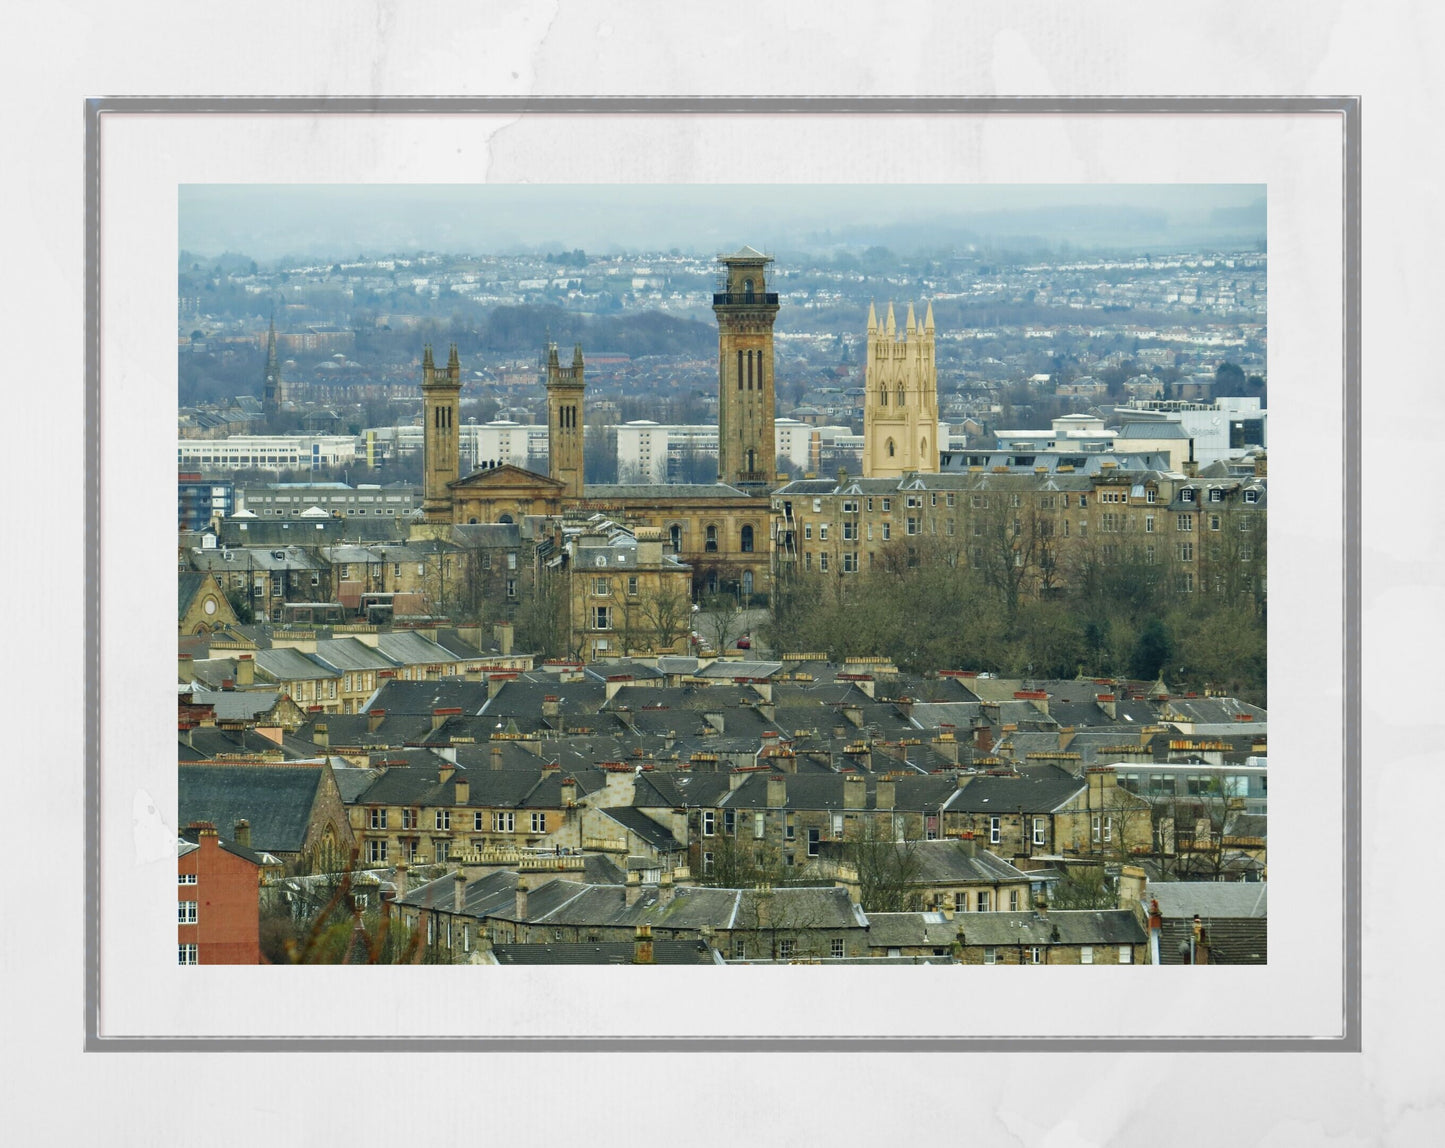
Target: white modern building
x=265, y=452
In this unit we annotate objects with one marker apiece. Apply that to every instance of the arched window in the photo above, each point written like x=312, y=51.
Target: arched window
x=900, y=396
x=890, y=448
x=883, y=396
x=748, y=289
x=710, y=545
x=471, y=521
x=747, y=583
x=675, y=533
x=505, y=518
x=747, y=539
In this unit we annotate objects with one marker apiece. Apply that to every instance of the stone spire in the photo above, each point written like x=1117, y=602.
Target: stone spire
x=890, y=327
x=872, y=319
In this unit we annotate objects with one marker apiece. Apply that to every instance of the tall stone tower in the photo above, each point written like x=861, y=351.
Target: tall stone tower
x=745, y=311
x=441, y=437
x=900, y=403
x=565, y=423
x=271, y=391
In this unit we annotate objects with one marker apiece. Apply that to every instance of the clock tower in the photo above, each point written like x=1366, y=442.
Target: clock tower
x=441, y=437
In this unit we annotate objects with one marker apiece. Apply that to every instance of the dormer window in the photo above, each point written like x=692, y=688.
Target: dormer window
x=1251, y=496
x=1186, y=495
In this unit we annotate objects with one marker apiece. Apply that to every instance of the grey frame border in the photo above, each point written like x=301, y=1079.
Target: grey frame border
x=1345, y=107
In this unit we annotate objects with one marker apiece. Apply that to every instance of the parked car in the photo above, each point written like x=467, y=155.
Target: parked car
x=745, y=642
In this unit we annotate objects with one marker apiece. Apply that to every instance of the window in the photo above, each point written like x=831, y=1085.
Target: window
x=1151, y=495
x=746, y=540
x=377, y=819
x=710, y=541
x=1214, y=522
x=1086, y=954
x=601, y=587
x=995, y=830
x=1251, y=496
x=1126, y=954
x=814, y=837
x=983, y=901
x=790, y=830
x=990, y=955
x=1246, y=522
x=1186, y=495
x=539, y=823
x=186, y=912
x=785, y=949
x=632, y=585
x=887, y=505
x=823, y=562
x=1036, y=955
x=602, y=617
x=707, y=863
x=887, y=531
x=835, y=947
x=478, y=821
x=443, y=851
x=444, y=818
x=822, y=532
x=911, y=526
x=187, y=879
x=1148, y=524
x=730, y=822
x=189, y=955
x=1216, y=495
x=948, y=499
x=504, y=822
x=850, y=563
x=1184, y=583
x=376, y=852
x=759, y=826
x=1184, y=522
x=708, y=822
x=1013, y=900
x=1039, y=831
x=1186, y=552
x=410, y=818
x=850, y=532
x=740, y=949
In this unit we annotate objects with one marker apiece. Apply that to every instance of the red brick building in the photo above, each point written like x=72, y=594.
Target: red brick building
x=218, y=887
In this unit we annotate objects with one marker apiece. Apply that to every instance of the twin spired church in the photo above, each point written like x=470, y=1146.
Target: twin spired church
x=721, y=530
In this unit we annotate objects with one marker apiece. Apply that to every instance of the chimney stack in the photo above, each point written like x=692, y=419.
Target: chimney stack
x=632, y=890
x=459, y=892
x=463, y=789
x=398, y=878
x=185, y=668
x=242, y=833
x=245, y=670
x=665, y=890
x=642, y=946
x=521, y=907
x=321, y=735
x=847, y=878
x=374, y=719
x=445, y=771
x=496, y=756
x=887, y=793
x=855, y=791
x=777, y=791
x=503, y=633
x=569, y=792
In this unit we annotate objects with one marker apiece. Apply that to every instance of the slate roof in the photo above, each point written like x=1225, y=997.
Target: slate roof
x=1232, y=941
x=236, y=705
x=1213, y=900
x=495, y=788
x=400, y=697
x=910, y=930
x=408, y=648
x=1010, y=794
x=1065, y=927
x=287, y=665
x=189, y=840
x=825, y=791
x=351, y=654
x=946, y=862
x=188, y=585
x=633, y=819
x=353, y=782
x=679, y=491
x=604, y=953
x=276, y=799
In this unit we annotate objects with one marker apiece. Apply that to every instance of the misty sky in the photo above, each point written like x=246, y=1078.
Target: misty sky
x=267, y=221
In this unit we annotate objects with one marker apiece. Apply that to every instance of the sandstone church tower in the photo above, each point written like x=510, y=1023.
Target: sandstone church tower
x=900, y=411
x=745, y=312
x=441, y=436
x=271, y=392
x=565, y=422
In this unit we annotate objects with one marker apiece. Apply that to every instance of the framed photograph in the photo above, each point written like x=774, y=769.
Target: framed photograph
x=1272, y=182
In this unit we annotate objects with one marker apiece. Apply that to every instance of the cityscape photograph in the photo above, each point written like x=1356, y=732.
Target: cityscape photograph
x=722, y=574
